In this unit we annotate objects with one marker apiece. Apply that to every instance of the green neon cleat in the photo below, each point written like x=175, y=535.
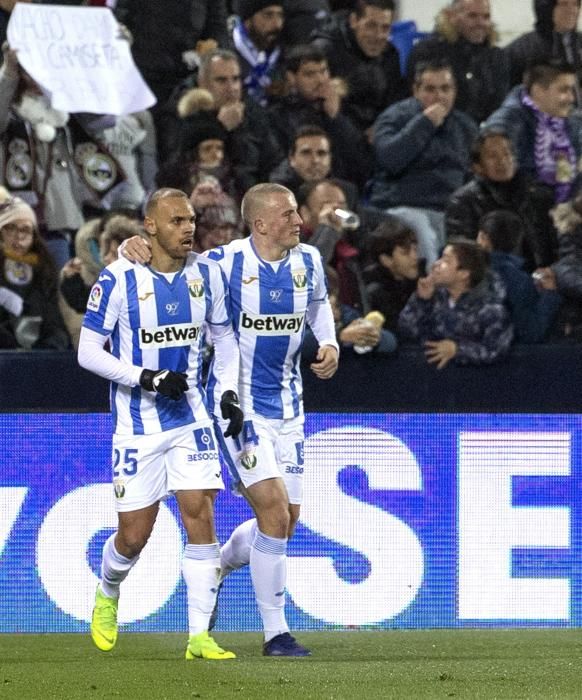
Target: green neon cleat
x=202, y=646
x=104, y=621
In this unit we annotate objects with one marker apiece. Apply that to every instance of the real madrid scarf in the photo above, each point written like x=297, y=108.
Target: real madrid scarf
x=95, y=165
x=555, y=157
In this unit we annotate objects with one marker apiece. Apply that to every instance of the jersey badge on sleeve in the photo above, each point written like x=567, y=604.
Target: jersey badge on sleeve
x=95, y=297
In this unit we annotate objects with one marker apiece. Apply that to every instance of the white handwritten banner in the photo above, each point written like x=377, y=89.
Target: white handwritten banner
x=77, y=56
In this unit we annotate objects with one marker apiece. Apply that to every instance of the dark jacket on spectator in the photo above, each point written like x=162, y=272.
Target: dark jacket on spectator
x=284, y=174
x=387, y=294
x=544, y=44
x=373, y=83
x=532, y=311
x=481, y=72
x=162, y=31
x=479, y=322
x=418, y=164
x=40, y=300
x=302, y=18
x=519, y=123
x=340, y=249
x=479, y=196
x=568, y=268
x=250, y=149
x=253, y=141
x=535, y=46
x=349, y=149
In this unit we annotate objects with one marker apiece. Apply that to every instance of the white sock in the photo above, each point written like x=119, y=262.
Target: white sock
x=201, y=571
x=269, y=574
x=236, y=553
x=114, y=568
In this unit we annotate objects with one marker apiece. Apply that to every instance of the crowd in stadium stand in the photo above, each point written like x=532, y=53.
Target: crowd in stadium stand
x=422, y=141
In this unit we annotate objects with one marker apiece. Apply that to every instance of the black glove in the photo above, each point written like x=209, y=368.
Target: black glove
x=165, y=382
x=231, y=411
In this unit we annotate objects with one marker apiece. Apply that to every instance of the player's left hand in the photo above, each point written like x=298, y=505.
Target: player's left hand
x=325, y=365
x=440, y=352
x=231, y=411
x=136, y=249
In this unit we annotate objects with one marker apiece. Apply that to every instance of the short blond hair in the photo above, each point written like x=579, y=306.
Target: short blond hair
x=255, y=198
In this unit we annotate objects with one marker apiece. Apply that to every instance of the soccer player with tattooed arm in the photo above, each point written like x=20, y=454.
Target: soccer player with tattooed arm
x=276, y=285
x=143, y=330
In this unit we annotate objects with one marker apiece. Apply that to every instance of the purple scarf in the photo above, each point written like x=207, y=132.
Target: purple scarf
x=554, y=154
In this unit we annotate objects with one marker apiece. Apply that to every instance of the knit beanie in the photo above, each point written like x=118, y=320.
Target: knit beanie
x=13, y=209
x=202, y=127
x=247, y=8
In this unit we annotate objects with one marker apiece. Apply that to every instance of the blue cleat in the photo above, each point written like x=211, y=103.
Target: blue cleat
x=284, y=645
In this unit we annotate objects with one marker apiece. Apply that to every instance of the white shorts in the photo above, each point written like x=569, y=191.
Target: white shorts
x=150, y=468
x=265, y=449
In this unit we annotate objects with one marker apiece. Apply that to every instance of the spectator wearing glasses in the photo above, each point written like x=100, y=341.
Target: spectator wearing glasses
x=29, y=313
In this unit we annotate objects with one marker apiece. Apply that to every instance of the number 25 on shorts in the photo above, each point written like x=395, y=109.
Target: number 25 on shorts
x=128, y=466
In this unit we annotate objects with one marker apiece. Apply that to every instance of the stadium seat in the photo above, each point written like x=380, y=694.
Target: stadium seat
x=404, y=34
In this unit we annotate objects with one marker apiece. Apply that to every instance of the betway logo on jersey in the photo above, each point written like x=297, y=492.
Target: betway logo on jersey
x=168, y=336
x=279, y=324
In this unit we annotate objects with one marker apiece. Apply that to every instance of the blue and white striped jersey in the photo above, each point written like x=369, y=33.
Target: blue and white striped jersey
x=157, y=324
x=270, y=304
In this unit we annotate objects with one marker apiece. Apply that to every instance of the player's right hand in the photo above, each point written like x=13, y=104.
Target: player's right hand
x=164, y=382
x=136, y=249
x=326, y=362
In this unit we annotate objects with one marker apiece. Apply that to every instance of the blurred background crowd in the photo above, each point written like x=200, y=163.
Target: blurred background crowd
x=438, y=173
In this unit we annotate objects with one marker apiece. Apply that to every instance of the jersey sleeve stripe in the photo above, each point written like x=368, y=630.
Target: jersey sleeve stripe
x=133, y=312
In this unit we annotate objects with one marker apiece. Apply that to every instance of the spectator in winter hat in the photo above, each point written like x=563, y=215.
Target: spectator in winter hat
x=29, y=314
x=555, y=37
x=217, y=216
x=203, y=154
x=256, y=38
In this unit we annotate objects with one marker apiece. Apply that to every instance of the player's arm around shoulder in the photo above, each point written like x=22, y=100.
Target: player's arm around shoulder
x=136, y=249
